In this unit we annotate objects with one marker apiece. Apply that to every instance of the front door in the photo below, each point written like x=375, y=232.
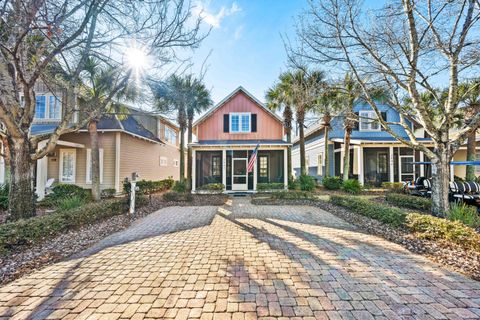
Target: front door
x=239, y=174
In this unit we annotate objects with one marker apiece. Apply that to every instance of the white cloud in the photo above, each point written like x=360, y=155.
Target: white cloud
x=238, y=32
x=215, y=19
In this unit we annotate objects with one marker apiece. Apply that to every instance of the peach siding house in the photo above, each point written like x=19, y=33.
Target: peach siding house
x=226, y=137
x=141, y=142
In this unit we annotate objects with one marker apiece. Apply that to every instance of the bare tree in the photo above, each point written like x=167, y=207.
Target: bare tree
x=407, y=47
x=48, y=41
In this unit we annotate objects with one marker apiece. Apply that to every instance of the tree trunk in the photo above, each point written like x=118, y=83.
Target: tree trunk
x=303, y=168
x=21, y=202
x=326, y=156
x=95, y=159
x=346, y=153
x=189, y=155
x=289, y=157
x=440, y=184
x=471, y=156
x=182, y=153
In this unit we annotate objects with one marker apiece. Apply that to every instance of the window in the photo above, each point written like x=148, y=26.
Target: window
x=216, y=166
x=368, y=121
x=54, y=107
x=263, y=167
x=88, y=176
x=41, y=107
x=382, y=163
x=67, y=165
x=163, y=161
x=240, y=122
x=320, y=164
x=477, y=168
x=170, y=135
x=175, y=162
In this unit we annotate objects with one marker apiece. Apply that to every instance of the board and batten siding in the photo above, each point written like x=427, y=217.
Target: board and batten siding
x=143, y=157
x=106, y=142
x=268, y=128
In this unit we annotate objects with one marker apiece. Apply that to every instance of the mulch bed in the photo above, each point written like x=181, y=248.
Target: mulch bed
x=22, y=262
x=444, y=253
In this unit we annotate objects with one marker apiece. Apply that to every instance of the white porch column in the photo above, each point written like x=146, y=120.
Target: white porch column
x=342, y=152
x=194, y=169
x=390, y=161
x=224, y=168
x=360, y=165
x=118, y=182
x=42, y=167
x=452, y=173
x=285, y=168
x=2, y=166
x=422, y=166
x=399, y=167
x=255, y=173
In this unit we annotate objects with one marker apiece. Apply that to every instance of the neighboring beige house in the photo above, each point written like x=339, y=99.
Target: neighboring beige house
x=140, y=142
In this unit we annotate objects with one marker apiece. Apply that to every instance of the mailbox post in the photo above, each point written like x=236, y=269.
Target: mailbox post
x=133, y=189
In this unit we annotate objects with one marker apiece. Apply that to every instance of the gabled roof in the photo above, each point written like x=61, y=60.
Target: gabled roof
x=228, y=98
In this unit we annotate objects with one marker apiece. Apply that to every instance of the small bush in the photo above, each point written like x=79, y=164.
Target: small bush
x=4, y=191
x=180, y=186
x=69, y=203
x=466, y=214
x=386, y=214
x=212, y=187
x=433, y=228
x=352, y=186
x=292, y=184
x=396, y=187
x=306, y=183
x=332, y=183
x=108, y=193
x=62, y=191
x=409, y=201
x=174, y=196
x=269, y=186
x=148, y=186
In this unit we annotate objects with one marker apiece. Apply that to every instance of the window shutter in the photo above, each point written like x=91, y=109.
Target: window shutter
x=254, y=122
x=226, y=124
x=357, y=123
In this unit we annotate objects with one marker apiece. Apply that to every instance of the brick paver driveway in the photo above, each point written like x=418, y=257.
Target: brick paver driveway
x=242, y=262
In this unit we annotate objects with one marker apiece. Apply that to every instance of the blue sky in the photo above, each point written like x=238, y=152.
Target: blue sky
x=245, y=43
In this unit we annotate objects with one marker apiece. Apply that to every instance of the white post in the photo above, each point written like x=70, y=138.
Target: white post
x=224, y=168
x=390, y=161
x=342, y=152
x=452, y=173
x=194, y=169
x=133, y=186
x=42, y=167
x=422, y=167
x=399, y=167
x=286, y=174
x=2, y=166
x=360, y=165
x=118, y=186
x=255, y=174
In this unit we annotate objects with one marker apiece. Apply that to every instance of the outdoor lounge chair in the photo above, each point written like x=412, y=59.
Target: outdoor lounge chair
x=416, y=187
x=468, y=192
x=427, y=184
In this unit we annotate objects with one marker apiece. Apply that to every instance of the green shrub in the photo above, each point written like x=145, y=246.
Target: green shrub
x=212, y=187
x=393, y=186
x=149, y=186
x=292, y=184
x=108, y=193
x=37, y=229
x=332, y=183
x=409, y=201
x=352, y=186
x=466, y=214
x=4, y=191
x=293, y=195
x=386, y=214
x=180, y=186
x=306, y=183
x=270, y=186
x=61, y=191
x=174, y=196
x=69, y=203
x=433, y=228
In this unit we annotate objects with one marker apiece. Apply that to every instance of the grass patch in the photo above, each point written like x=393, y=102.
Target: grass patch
x=464, y=213
x=408, y=201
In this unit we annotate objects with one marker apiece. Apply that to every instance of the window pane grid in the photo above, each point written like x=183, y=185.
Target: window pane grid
x=40, y=107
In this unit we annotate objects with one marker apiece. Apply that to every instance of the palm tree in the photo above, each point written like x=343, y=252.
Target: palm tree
x=199, y=101
x=186, y=95
x=278, y=97
x=469, y=93
x=102, y=87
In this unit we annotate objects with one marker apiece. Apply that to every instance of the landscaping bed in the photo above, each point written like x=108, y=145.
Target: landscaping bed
x=410, y=231
x=31, y=251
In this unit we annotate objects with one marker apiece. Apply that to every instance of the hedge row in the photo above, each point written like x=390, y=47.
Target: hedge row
x=31, y=231
x=270, y=186
x=424, y=226
x=149, y=186
x=408, y=201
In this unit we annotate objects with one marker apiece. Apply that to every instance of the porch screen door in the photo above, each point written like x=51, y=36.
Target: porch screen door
x=239, y=174
x=407, y=172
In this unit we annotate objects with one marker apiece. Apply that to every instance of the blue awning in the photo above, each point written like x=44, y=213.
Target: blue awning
x=455, y=163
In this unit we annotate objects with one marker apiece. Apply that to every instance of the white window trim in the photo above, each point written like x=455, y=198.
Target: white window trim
x=165, y=160
x=88, y=177
x=175, y=162
x=240, y=114
x=47, y=106
x=60, y=172
x=268, y=165
x=366, y=115
x=320, y=162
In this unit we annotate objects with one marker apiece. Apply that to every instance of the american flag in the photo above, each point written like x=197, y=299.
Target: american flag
x=253, y=158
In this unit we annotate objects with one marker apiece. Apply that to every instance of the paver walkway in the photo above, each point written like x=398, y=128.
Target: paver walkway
x=242, y=262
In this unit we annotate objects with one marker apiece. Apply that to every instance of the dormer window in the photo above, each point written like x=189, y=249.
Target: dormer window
x=368, y=121
x=50, y=108
x=240, y=122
